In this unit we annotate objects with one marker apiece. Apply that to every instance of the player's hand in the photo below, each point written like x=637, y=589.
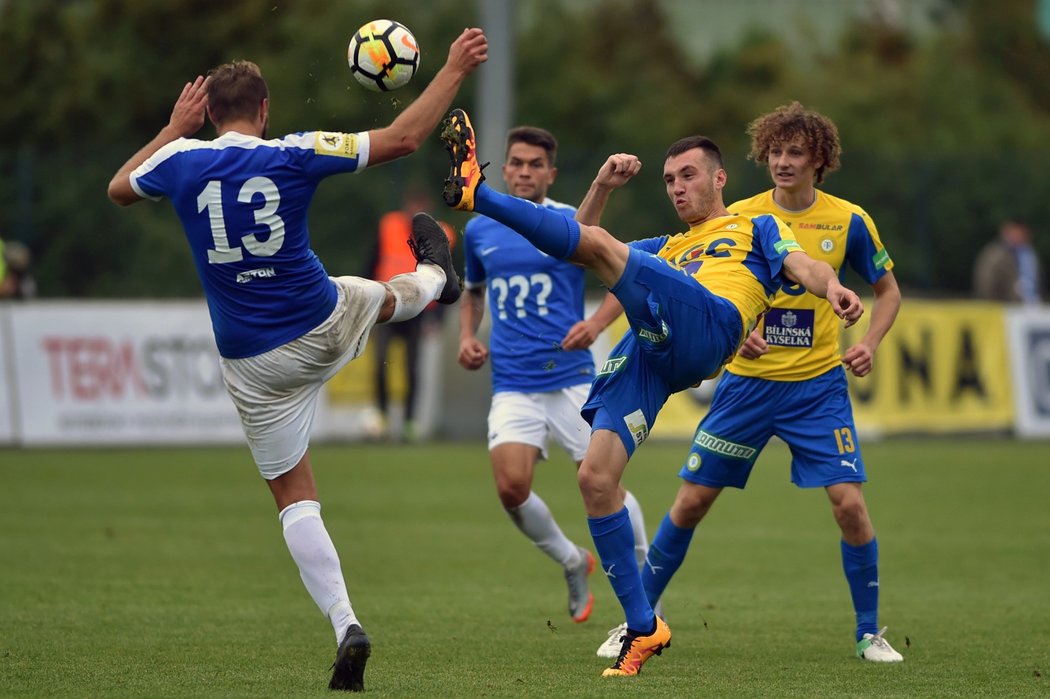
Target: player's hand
x=846, y=303
x=468, y=51
x=617, y=170
x=581, y=335
x=187, y=117
x=472, y=354
x=859, y=359
x=754, y=346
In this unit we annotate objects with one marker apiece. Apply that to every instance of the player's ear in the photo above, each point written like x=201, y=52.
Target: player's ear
x=553, y=172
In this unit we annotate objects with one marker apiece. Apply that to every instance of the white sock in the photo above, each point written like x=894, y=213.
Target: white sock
x=313, y=551
x=641, y=541
x=535, y=521
x=413, y=291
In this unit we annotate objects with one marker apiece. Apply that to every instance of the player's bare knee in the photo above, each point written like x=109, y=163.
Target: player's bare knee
x=851, y=514
x=386, y=311
x=595, y=485
x=512, y=493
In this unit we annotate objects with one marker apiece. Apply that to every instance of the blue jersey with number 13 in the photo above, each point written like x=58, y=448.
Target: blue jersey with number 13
x=243, y=202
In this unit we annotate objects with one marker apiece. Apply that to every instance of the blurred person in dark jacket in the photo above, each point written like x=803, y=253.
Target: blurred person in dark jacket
x=1007, y=269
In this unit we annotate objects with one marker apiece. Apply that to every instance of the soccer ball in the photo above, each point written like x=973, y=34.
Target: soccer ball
x=383, y=55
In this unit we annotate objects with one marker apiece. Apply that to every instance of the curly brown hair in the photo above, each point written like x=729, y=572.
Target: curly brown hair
x=791, y=121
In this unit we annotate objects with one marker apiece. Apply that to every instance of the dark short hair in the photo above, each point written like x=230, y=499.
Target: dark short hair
x=534, y=136
x=235, y=91
x=693, y=142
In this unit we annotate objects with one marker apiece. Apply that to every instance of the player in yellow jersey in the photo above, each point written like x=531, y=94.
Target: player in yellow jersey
x=690, y=299
x=792, y=361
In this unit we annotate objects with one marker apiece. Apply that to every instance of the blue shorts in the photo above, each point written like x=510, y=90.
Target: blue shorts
x=814, y=417
x=680, y=334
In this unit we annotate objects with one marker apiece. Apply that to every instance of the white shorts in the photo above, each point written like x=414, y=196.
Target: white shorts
x=529, y=418
x=276, y=392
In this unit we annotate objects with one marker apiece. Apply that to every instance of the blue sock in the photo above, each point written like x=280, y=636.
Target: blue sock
x=614, y=541
x=861, y=565
x=666, y=554
x=549, y=231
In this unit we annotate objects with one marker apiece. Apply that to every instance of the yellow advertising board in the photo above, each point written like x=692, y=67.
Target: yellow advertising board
x=943, y=367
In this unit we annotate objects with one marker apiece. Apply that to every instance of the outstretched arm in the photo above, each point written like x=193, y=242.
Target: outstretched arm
x=820, y=280
x=187, y=118
x=412, y=126
x=860, y=358
x=617, y=170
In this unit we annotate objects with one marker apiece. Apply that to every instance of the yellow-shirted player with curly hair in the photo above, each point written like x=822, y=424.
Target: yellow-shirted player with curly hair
x=791, y=360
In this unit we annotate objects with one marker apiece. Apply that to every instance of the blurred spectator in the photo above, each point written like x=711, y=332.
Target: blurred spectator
x=1007, y=269
x=16, y=281
x=392, y=257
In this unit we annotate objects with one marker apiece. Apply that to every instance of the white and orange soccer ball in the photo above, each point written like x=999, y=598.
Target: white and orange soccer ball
x=383, y=55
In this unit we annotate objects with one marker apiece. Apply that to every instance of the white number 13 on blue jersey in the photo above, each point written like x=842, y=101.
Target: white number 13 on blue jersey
x=210, y=200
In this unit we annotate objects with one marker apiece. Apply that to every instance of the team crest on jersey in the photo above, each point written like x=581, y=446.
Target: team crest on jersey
x=693, y=464
x=638, y=426
x=343, y=145
x=827, y=245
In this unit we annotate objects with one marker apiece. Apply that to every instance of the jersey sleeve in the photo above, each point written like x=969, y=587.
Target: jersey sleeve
x=650, y=245
x=155, y=177
x=474, y=271
x=324, y=153
x=864, y=250
x=774, y=240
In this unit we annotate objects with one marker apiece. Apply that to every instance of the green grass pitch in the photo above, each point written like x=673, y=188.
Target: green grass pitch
x=162, y=572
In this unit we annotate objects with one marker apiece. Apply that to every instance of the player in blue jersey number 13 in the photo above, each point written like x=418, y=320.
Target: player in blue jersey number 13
x=283, y=326
x=541, y=367
x=690, y=300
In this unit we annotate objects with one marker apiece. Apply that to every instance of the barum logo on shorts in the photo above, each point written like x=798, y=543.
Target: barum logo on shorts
x=655, y=338
x=638, y=426
x=717, y=445
x=611, y=366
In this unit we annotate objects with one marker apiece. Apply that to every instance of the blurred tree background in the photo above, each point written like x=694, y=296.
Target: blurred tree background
x=942, y=106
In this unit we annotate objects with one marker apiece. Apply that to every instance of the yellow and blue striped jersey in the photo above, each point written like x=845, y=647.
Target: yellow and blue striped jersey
x=739, y=258
x=801, y=329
